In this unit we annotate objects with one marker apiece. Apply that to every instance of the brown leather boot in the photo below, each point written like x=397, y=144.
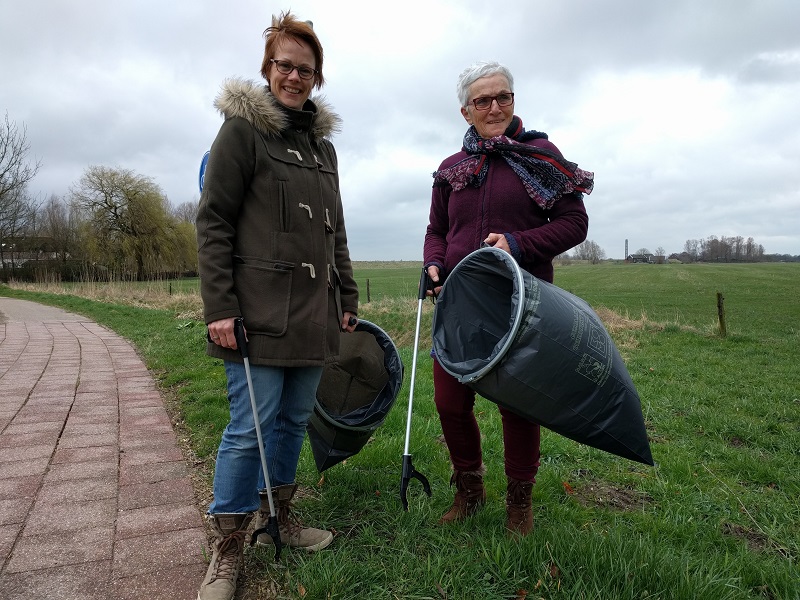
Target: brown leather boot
x=220, y=580
x=293, y=533
x=519, y=514
x=470, y=495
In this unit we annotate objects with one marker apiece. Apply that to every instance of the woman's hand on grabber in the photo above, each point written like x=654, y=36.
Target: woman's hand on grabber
x=433, y=273
x=349, y=322
x=221, y=333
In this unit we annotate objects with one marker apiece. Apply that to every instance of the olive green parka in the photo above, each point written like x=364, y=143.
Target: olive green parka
x=272, y=244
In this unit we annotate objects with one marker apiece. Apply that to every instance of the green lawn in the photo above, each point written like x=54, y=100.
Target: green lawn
x=718, y=517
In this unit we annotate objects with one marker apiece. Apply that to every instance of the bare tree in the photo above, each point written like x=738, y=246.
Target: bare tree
x=16, y=214
x=692, y=250
x=750, y=249
x=589, y=250
x=16, y=171
x=186, y=212
x=59, y=223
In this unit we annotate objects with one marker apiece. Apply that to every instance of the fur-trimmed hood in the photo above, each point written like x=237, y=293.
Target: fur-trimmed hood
x=253, y=101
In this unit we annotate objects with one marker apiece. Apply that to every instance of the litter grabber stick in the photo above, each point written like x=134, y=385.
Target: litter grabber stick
x=271, y=528
x=409, y=472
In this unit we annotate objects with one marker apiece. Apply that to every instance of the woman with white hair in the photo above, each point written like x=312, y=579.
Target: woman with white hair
x=511, y=189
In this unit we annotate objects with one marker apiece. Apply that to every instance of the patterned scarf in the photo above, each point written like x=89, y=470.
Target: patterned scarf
x=545, y=175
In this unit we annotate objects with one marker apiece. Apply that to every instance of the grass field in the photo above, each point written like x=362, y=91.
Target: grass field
x=718, y=517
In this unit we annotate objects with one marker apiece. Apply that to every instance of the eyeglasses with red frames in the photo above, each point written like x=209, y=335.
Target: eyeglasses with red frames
x=485, y=102
x=285, y=67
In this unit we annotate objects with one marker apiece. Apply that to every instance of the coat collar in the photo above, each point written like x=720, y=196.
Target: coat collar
x=254, y=102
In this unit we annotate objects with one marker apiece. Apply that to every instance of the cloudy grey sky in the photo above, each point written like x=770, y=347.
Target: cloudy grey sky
x=685, y=110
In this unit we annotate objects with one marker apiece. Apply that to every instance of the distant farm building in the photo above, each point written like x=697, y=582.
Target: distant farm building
x=646, y=258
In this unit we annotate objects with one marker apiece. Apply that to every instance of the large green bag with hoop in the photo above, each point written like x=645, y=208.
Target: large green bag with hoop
x=539, y=351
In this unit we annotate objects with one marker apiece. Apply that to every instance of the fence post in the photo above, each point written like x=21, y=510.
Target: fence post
x=368, y=295
x=721, y=314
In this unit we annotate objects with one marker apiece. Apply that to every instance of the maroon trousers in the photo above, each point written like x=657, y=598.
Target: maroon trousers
x=454, y=403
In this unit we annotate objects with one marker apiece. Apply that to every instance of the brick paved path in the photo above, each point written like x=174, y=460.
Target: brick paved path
x=95, y=497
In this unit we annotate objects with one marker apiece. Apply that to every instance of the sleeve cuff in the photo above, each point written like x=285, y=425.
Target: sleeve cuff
x=513, y=246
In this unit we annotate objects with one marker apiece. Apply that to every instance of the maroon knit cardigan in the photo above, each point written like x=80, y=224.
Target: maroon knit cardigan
x=460, y=221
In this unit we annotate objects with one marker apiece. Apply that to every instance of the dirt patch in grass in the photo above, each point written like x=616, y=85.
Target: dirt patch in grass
x=596, y=492
x=756, y=541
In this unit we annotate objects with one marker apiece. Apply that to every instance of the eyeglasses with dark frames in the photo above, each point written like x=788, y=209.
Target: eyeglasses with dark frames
x=485, y=102
x=285, y=67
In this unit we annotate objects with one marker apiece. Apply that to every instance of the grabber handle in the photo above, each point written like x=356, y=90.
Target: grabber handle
x=425, y=284
x=241, y=336
x=409, y=472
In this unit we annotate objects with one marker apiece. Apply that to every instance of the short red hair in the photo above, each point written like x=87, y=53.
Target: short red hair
x=283, y=28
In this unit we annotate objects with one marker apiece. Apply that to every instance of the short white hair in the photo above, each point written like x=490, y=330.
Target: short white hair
x=474, y=72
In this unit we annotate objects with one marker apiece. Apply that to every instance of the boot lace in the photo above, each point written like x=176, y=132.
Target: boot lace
x=228, y=555
x=288, y=521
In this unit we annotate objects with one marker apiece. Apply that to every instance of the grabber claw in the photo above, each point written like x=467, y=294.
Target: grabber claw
x=272, y=530
x=409, y=473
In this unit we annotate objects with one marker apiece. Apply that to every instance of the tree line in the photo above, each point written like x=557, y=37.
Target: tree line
x=722, y=249
x=113, y=224
x=711, y=249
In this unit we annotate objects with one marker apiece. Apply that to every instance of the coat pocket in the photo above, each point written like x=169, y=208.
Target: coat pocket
x=264, y=289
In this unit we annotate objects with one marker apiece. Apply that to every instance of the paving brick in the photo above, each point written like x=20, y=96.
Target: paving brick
x=26, y=453
x=134, y=439
x=78, y=440
x=88, y=581
x=20, y=440
x=157, y=552
x=150, y=456
x=35, y=427
x=22, y=468
x=155, y=519
x=89, y=454
x=153, y=494
x=79, y=490
x=180, y=583
x=91, y=470
x=41, y=414
x=71, y=516
x=84, y=545
x=14, y=510
x=74, y=428
x=19, y=487
x=133, y=474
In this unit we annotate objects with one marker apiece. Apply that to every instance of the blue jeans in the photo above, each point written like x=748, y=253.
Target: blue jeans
x=285, y=398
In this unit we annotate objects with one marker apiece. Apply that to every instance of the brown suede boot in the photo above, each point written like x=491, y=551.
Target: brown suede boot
x=519, y=514
x=220, y=581
x=293, y=532
x=470, y=495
